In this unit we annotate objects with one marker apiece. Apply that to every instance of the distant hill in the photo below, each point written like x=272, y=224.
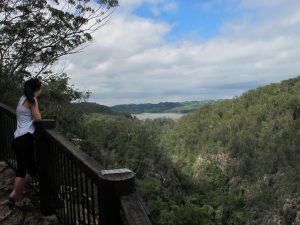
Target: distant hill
x=162, y=107
x=93, y=107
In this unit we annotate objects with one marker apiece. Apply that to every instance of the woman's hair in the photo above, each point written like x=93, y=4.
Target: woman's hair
x=30, y=86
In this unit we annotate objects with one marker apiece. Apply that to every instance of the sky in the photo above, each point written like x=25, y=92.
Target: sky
x=154, y=51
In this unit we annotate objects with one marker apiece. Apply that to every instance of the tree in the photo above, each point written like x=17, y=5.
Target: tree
x=36, y=33
x=56, y=103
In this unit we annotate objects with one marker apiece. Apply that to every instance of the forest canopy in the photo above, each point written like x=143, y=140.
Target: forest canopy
x=231, y=162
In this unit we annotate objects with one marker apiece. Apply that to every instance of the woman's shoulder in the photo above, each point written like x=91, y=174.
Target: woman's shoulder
x=21, y=99
x=24, y=102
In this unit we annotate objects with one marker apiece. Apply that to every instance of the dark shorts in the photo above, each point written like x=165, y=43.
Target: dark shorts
x=23, y=147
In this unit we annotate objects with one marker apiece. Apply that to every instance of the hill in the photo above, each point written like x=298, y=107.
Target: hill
x=162, y=107
x=234, y=162
x=246, y=151
x=186, y=107
x=92, y=107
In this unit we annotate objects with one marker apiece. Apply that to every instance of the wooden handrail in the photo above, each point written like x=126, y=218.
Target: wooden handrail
x=86, y=162
x=133, y=210
x=117, y=199
x=7, y=109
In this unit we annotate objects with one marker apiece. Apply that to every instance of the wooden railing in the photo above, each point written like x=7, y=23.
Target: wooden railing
x=73, y=185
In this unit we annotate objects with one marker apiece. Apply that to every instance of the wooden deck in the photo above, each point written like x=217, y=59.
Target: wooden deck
x=15, y=216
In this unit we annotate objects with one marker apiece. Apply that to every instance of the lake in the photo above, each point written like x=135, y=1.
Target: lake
x=143, y=116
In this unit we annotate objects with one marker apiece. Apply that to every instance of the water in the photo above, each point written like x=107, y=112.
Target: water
x=143, y=116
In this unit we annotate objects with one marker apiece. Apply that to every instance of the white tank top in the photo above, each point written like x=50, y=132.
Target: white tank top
x=24, y=119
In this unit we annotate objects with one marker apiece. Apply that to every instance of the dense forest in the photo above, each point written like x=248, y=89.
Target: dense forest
x=231, y=162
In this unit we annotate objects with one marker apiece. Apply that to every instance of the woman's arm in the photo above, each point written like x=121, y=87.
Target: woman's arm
x=35, y=111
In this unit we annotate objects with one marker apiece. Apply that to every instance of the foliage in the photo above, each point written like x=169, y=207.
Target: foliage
x=185, y=107
x=55, y=102
x=232, y=162
x=254, y=141
x=36, y=33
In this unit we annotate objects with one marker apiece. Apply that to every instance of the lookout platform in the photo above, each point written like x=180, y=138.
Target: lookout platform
x=70, y=185
x=15, y=216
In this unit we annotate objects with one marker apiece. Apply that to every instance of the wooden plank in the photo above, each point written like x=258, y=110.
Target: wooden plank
x=133, y=212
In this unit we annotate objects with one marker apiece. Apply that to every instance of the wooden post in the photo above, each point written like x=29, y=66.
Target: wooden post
x=43, y=164
x=114, y=183
x=1, y=135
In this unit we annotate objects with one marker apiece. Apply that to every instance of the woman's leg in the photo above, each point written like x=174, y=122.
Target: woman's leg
x=18, y=188
x=22, y=148
x=18, y=185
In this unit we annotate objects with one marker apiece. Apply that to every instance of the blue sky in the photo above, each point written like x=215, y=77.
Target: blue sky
x=179, y=50
x=193, y=19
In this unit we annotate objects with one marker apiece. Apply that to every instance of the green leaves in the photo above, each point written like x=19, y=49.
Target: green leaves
x=260, y=133
x=35, y=34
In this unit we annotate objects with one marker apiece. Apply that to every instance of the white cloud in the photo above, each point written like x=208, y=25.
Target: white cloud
x=130, y=3
x=130, y=60
x=170, y=7
x=263, y=3
x=156, y=7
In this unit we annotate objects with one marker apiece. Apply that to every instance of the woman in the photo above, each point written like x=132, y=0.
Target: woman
x=23, y=143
